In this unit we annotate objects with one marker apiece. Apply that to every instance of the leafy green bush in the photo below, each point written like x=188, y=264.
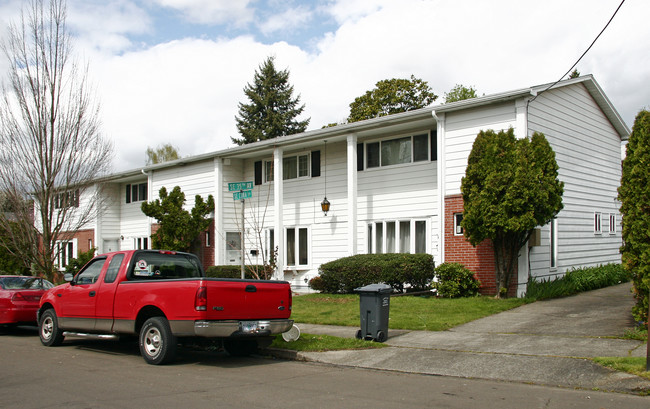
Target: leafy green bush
x=397, y=270
x=235, y=272
x=454, y=280
x=75, y=264
x=576, y=281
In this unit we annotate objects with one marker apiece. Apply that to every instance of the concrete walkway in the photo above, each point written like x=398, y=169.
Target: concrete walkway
x=546, y=343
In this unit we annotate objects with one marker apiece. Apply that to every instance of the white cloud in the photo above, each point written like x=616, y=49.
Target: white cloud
x=287, y=20
x=235, y=12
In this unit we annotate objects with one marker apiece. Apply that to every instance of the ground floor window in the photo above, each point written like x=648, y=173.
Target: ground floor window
x=66, y=251
x=297, y=246
x=141, y=243
x=397, y=236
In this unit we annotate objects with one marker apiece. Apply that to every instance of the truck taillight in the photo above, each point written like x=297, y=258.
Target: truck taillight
x=290, y=299
x=201, y=299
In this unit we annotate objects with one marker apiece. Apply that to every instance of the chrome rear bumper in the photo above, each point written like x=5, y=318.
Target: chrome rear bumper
x=241, y=328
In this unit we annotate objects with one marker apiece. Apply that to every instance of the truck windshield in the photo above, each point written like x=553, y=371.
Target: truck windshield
x=155, y=265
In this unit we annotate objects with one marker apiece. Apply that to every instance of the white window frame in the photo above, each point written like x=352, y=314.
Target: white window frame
x=612, y=223
x=458, y=229
x=64, y=257
x=393, y=138
x=139, y=186
x=598, y=223
x=141, y=243
x=297, y=265
x=372, y=229
x=269, y=172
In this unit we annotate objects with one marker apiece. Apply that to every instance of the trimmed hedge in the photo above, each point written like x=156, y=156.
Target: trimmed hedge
x=342, y=276
x=454, y=280
x=235, y=272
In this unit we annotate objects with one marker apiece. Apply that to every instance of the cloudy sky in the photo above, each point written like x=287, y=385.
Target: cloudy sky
x=173, y=71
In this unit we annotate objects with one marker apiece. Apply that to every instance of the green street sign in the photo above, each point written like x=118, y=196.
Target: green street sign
x=242, y=194
x=234, y=187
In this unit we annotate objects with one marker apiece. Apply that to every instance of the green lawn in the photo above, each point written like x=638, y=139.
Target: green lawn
x=406, y=312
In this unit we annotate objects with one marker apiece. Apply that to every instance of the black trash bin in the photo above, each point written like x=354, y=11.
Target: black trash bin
x=374, y=307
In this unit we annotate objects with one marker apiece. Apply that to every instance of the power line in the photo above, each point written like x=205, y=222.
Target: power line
x=583, y=54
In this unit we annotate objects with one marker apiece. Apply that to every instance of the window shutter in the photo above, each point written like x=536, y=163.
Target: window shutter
x=359, y=156
x=315, y=163
x=434, y=145
x=128, y=193
x=258, y=172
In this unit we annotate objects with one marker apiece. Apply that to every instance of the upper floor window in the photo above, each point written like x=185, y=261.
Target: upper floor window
x=397, y=151
x=65, y=199
x=136, y=192
x=293, y=167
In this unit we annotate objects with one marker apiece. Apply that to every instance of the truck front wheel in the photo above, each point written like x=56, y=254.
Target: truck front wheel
x=157, y=343
x=48, y=329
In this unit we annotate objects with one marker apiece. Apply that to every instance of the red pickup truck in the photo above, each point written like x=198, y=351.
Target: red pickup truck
x=162, y=296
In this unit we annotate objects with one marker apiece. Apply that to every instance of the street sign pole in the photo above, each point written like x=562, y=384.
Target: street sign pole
x=243, y=241
x=242, y=191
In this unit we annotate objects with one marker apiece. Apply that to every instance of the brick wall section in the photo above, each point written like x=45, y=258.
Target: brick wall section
x=85, y=240
x=479, y=259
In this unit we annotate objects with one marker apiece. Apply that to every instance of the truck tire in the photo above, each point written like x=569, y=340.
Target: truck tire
x=48, y=329
x=157, y=343
x=240, y=347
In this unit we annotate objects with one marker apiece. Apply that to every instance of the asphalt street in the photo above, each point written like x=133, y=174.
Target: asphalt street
x=103, y=374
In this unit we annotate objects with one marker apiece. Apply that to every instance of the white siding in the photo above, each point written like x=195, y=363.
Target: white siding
x=109, y=220
x=587, y=150
x=194, y=179
x=461, y=129
x=133, y=223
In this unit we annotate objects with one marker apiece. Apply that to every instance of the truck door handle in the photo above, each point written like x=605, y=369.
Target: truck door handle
x=91, y=294
x=251, y=288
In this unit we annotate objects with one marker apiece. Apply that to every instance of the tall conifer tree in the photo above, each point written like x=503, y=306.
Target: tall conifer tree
x=272, y=110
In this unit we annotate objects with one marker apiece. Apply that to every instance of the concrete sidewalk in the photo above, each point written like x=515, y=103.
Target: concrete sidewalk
x=546, y=343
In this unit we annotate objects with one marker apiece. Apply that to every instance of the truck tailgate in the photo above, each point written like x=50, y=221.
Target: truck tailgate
x=247, y=299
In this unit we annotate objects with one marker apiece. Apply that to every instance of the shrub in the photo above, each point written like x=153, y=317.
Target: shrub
x=235, y=272
x=397, y=270
x=576, y=281
x=454, y=280
x=75, y=264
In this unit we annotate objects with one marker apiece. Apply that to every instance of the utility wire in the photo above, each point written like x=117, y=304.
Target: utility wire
x=583, y=54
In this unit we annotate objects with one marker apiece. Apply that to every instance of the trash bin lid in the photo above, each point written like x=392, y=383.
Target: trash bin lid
x=375, y=288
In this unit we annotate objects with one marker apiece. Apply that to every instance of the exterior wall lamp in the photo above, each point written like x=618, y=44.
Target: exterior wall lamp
x=325, y=204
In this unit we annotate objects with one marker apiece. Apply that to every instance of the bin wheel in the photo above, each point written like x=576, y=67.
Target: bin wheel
x=381, y=336
x=358, y=334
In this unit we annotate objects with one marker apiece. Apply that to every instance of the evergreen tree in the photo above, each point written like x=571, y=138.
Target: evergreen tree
x=177, y=228
x=634, y=194
x=272, y=109
x=510, y=187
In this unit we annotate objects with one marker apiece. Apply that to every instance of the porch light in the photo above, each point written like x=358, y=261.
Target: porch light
x=325, y=204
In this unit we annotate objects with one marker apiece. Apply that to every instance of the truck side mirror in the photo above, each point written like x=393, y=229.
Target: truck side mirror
x=68, y=277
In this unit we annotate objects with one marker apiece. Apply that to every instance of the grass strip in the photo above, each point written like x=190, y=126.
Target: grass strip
x=632, y=365
x=321, y=343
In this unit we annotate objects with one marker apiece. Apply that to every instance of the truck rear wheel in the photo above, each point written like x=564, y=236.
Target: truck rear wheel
x=157, y=343
x=48, y=329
